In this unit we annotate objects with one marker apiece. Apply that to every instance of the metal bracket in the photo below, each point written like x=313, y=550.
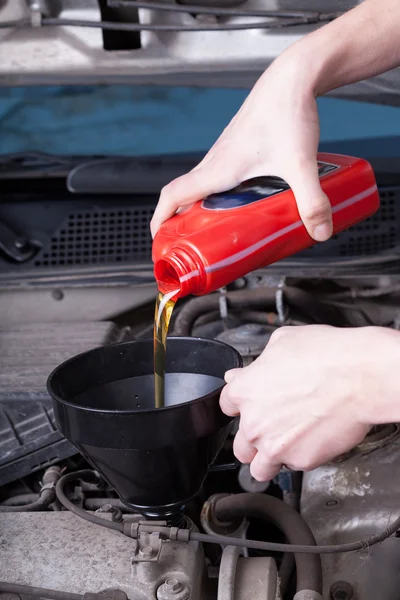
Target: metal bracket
x=36, y=7
x=147, y=548
x=16, y=248
x=223, y=304
x=279, y=301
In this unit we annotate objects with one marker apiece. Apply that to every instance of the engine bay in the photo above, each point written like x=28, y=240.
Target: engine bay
x=85, y=281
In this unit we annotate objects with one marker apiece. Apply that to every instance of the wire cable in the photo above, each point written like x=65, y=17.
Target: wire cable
x=171, y=27
x=301, y=549
x=113, y=26
x=309, y=16
x=184, y=535
x=20, y=24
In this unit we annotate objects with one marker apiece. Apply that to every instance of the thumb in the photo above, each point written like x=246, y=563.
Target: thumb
x=314, y=206
x=230, y=375
x=195, y=185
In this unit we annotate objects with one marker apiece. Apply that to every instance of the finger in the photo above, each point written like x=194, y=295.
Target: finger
x=230, y=375
x=242, y=449
x=314, y=207
x=279, y=333
x=262, y=469
x=189, y=188
x=228, y=406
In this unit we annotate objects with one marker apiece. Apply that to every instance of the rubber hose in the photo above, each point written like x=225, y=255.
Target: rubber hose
x=226, y=540
x=47, y=494
x=20, y=500
x=286, y=570
x=185, y=535
x=317, y=311
x=38, y=592
x=290, y=522
x=196, y=307
x=80, y=512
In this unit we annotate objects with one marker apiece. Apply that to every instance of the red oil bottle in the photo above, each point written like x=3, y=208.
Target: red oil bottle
x=227, y=235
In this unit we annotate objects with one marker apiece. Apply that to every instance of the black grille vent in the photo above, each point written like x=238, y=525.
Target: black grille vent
x=376, y=234
x=120, y=235
x=100, y=236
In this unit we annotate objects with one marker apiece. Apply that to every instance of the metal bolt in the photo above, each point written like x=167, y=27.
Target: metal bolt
x=251, y=329
x=341, y=590
x=240, y=283
x=57, y=294
x=146, y=552
x=331, y=503
x=20, y=243
x=173, y=589
x=173, y=586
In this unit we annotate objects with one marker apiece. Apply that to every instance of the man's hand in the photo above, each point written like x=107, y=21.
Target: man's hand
x=276, y=132
x=313, y=394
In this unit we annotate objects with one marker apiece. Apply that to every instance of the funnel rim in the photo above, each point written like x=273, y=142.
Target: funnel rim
x=133, y=411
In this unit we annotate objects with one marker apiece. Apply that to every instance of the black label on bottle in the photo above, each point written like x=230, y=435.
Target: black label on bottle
x=254, y=190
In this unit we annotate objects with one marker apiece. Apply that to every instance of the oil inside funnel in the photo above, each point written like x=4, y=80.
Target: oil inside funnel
x=155, y=459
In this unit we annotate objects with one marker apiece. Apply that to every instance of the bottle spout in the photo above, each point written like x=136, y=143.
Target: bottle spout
x=167, y=278
x=179, y=270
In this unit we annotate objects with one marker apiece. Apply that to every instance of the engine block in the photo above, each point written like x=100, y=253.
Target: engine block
x=58, y=550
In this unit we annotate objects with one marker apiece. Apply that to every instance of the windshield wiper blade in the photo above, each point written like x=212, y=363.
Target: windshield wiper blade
x=36, y=164
x=128, y=175
x=100, y=174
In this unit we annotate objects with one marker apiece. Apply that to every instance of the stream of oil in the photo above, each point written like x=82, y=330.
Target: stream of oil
x=164, y=306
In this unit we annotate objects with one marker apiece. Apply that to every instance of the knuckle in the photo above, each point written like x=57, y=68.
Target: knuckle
x=167, y=194
x=166, y=190
x=243, y=450
x=227, y=406
x=309, y=464
x=171, y=187
x=262, y=468
x=280, y=333
x=272, y=451
x=317, y=212
x=248, y=425
x=274, y=455
x=294, y=465
x=257, y=473
x=229, y=391
x=305, y=463
x=234, y=389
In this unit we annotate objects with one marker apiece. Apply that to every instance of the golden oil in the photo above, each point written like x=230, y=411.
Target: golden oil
x=164, y=306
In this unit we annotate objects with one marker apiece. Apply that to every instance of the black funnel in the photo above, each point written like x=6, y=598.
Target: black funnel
x=155, y=459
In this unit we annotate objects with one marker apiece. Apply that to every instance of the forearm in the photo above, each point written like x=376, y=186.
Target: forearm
x=360, y=44
x=378, y=371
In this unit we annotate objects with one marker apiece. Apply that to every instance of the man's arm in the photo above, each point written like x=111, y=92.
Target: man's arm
x=360, y=44
x=276, y=131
